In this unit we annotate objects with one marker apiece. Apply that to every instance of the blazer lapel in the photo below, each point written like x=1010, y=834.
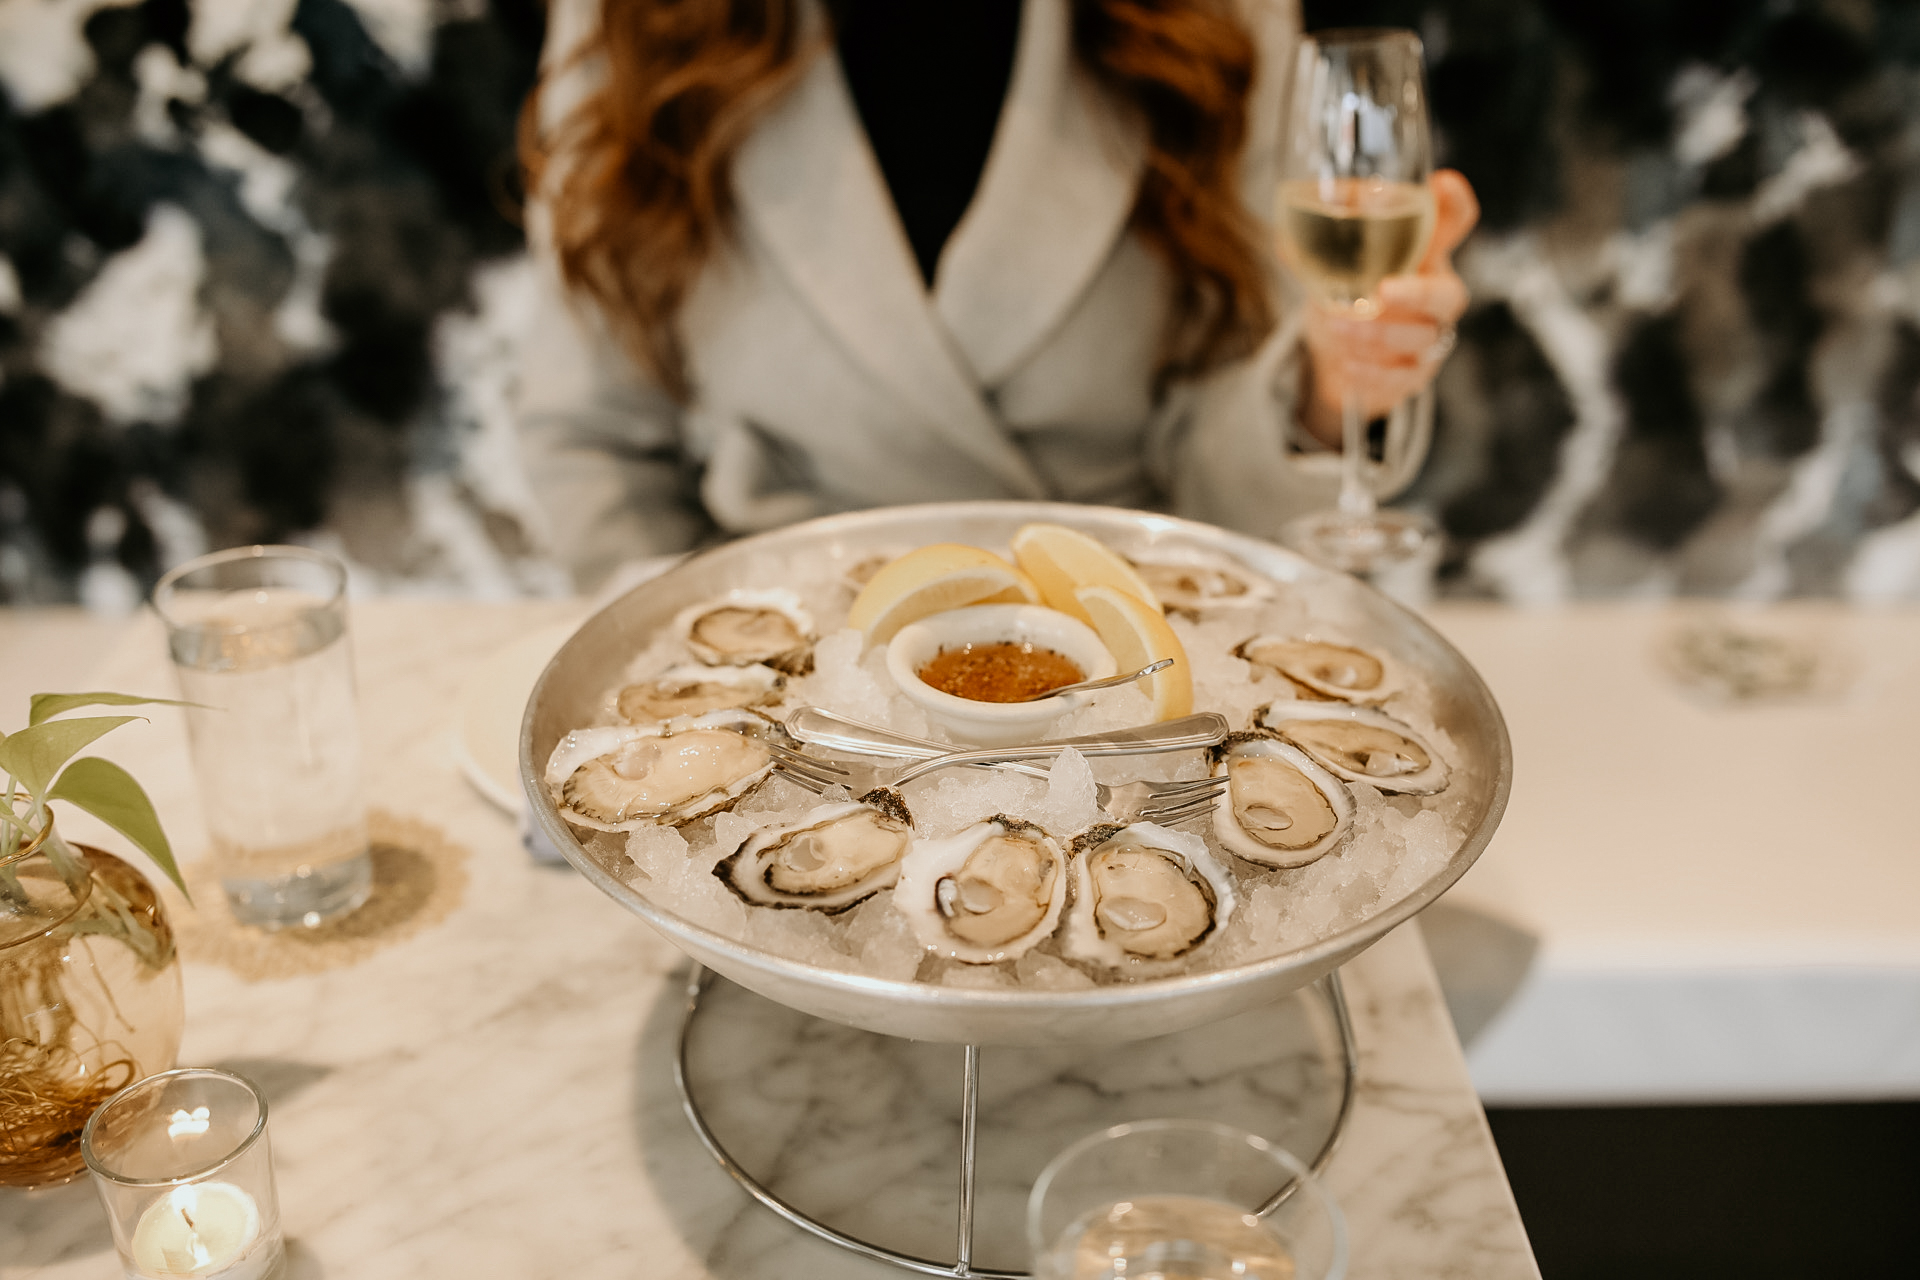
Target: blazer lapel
x=806, y=182
x=1056, y=194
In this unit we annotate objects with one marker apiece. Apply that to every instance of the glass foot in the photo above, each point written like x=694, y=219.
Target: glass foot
x=1360, y=544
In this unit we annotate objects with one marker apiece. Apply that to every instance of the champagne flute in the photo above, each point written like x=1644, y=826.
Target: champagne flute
x=1355, y=208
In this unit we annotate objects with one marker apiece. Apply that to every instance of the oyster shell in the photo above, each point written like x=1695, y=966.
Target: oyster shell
x=629, y=776
x=834, y=856
x=745, y=627
x=695, y=690
x=989, y=893
x=1280, y=809
x=1323, y=669
x=1358, y=744
x=1190, y=588
x=1143, y=895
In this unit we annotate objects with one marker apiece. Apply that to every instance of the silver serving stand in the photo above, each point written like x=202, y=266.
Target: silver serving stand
x=571, y=691
x=962, y=1268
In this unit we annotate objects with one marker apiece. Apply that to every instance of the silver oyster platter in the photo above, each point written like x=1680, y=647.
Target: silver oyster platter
x=573, y=688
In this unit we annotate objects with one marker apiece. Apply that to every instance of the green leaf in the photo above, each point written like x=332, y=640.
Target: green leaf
x=34, y=755
x=48, y=705
x=110, y=794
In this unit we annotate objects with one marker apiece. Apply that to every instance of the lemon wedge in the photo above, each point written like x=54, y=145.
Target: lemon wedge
x=1136, y=633
x=1061, y=561
x=933, y=579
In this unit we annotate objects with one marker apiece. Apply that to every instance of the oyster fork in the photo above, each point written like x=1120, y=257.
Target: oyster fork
x=818, y=727
x=1165, y=802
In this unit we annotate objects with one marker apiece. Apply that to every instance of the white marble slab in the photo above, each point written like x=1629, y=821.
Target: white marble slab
x=1726, y=897
x=494, y=1096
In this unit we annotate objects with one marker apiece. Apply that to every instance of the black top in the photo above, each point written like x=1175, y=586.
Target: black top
x=928, y=78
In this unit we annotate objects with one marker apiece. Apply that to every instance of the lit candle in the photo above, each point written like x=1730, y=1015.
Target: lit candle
x=202, y=1230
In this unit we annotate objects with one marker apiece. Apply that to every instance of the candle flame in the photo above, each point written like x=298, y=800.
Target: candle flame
x=195, y=1230
x=192, y=1252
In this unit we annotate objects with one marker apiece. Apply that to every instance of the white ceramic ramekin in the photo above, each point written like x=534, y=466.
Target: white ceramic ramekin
x=994, y=724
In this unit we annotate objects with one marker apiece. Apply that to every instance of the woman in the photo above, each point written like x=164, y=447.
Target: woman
x=749, y=333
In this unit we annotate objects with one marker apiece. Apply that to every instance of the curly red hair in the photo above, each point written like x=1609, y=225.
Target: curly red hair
x=640, y=196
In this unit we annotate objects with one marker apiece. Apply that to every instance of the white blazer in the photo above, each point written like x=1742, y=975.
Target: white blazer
x=828, y=377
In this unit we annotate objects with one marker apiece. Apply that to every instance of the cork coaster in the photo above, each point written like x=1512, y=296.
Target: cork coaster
x=419, y=877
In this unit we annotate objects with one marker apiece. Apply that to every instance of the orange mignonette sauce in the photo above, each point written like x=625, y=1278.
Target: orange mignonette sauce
x=1003, y=672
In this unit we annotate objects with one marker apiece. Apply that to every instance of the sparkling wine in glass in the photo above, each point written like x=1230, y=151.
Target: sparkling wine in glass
x=1355, y=208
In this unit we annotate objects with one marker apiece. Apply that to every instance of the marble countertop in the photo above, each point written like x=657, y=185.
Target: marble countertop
x=493, y=1096
x=1724, y=899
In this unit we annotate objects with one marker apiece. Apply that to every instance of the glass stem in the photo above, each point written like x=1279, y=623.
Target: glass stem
x=1356, y=494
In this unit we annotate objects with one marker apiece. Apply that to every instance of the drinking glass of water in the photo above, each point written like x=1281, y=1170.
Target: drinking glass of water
x=1182, y=1200
x=259, y=641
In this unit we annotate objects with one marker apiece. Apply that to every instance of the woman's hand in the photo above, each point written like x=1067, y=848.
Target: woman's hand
x=1397, y=352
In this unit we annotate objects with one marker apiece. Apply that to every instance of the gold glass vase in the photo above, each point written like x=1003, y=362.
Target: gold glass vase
x=89, y=999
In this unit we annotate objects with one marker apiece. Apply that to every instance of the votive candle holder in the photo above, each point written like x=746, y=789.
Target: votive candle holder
x=182, y=1165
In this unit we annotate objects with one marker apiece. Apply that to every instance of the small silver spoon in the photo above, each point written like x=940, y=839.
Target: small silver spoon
x=1087, y=686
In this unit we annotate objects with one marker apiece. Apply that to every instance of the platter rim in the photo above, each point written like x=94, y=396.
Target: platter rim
x=1113, y=997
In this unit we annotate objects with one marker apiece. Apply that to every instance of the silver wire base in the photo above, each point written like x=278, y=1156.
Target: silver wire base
x=962, y=1268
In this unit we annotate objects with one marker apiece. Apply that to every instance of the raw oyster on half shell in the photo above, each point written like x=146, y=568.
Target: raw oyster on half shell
x=989, y=893
x=832, y=857
x=1322, y=669
x=1280, y=809
x=696, y=690
x=745, y=627
x=1143, y=895
x=623, y=777
x=1193, y=588
x=1358, y=744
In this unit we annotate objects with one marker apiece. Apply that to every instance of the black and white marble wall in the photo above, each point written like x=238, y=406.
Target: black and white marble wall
x=257, y=269
x=261, y=278
x=1693, y=358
